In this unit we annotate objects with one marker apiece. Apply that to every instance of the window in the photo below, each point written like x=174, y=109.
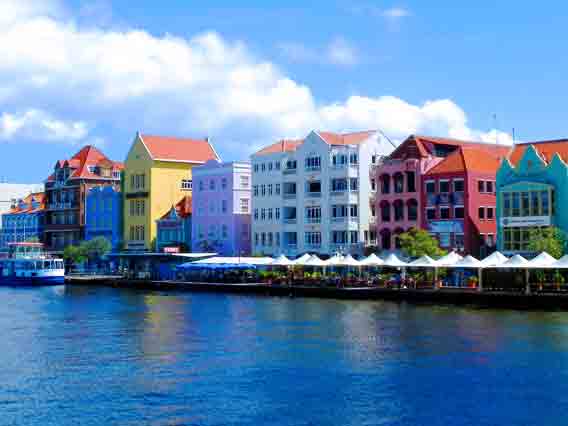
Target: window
x=354, y=210
x=458, y=185
x=353, y=237
x=224, y=206
x=353, y=158
x=490, y=213
x=338, y=211
x=339, y=185
x=353, y=184
x=459, y=241
x=256, y=238
x=270, y=167
x=516, y=204
x=385, y=212
x=212, y=185
x=398, y=183
x=262, y=214
x=339, y=237
x=277, y=213
x=263, y=238
x=277, y=189
x=313, y=214
x=291, y=165
x=459, y=212
x=481, y=186
x=444, y=212
x=245, y=182
x=313, y=163
x=431, y=213
x=412, y=210
x=255, y=190
x=186, y=184
x=224, y=232
x=277, y=234
x=255, y=214
x=270, y=237
x=269, y=189
x=489, y=187
x=385, y=184
x=313, y=187
x=263, y=190
x=490, y=240
x=444, y=186
x=201, y=185
x=255, y=168
x=224, y=183
x=277, y=167
x=312, y=239
x=545, y=203
x=244, y=205
x=398, y=210
x=270, y=214
x=373, y=211
x=263, y=167
x=373, y=185
x=481, y=213
x=430, y=187
x=410, y=182
x=374, y=159
x=290, y=189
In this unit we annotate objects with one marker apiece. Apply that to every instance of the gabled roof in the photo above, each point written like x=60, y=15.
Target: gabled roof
x=484, y=159
x=182, y=150
x=39, y=197
x=80, y=162
x=545, y=149
x=182, y=208
x=284, y=145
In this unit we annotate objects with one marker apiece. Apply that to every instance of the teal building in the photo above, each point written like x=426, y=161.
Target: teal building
x=532, y=192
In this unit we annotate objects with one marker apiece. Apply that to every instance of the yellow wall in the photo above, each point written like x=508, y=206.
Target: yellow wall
x=163, y=184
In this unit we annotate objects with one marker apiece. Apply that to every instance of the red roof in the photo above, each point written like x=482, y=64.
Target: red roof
x=546, y=149
x=37, y=196
x=426, y=144
x=281, y=146
x=484, y=159
x=80, y=162
x=183, y=208
x=165, y=148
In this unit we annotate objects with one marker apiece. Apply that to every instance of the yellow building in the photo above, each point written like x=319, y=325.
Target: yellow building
x=157, y=175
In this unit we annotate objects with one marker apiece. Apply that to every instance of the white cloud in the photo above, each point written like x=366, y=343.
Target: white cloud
x=338, y=52
x=41, y=126
x=395, y=13
x=132, y=80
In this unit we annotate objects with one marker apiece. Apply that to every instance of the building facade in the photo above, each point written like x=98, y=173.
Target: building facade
x=314, y=195
x=158, y=173
x=458, y=195
x=24, y=221
x=103, y=214
x=66, y=192
x=222, y=208
x=174, y=228
x=532, y=192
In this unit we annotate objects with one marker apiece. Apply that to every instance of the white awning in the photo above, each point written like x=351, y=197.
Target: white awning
x=372, y=260
x=315, y=261
x=350, y=261
x=219, y=260
x=335, y=260
x=450, y=259
x=302, y=259
x=561, y=263
x=468, y=262
x=282, y=261
x=423, y=262
x=543, y=260
x=517, y=261
x=493, y=260
x=393, y=261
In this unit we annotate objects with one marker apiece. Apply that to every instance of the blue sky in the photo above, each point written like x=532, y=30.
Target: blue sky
x=76, y=72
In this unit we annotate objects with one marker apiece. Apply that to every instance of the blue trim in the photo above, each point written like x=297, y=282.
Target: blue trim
x=35, y=281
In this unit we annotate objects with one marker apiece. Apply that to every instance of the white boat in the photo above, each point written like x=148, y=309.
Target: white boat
x=28, y=265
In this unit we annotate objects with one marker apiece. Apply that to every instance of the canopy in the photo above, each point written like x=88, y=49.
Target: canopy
x=315, y=261
x=561, y=263
x=282, y=261
x=393, y=261
x=450, y=259
x=302, y=259
x=424, y=262
x=371, y=260
x=335, y=260
x=493, y=260
x=215, y=266
x=517, y=261
x=543, y=260
x=220, y=260
x=350, y=261
x=468, y=262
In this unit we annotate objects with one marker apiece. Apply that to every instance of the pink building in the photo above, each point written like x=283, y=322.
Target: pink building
x=222, y=208
x=398, y=205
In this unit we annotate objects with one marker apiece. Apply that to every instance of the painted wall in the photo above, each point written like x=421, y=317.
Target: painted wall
x=103, y=215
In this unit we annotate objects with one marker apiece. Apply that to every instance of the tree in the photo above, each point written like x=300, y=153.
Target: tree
x=74, y=254
x=418, y=242
x=96, y=248
x=551, y=240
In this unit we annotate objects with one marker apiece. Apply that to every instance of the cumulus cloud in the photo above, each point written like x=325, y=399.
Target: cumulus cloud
x=395, y=13
x=206, y=85
x=40, y=125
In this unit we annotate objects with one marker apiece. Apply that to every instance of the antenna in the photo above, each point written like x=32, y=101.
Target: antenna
x=513, y=136
x=496, y=128
x=387, y=138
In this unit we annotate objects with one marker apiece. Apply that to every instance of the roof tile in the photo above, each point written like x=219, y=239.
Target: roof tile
x=185, y=150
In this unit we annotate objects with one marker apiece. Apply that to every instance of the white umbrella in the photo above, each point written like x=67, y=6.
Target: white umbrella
x=350, y=261
x=393, y=261
x=302, y=259
x=315, y=261
x=335, y=260
x=371, y=260
x=282, y=261
x=517, y=261
x=449, y=259
x=423, y=262
x=561, y=263
x=493, y=260
x=468, y=262
x=543, y=260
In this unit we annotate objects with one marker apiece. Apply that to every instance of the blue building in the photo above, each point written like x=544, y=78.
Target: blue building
x=24, y=221
x=103, y=215
x=174, y=228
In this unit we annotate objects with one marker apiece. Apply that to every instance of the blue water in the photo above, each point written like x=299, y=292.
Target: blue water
x=95, y=356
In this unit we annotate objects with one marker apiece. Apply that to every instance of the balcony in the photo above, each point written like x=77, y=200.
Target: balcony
x=68, y=205
x=289, y=171
x=313, y=169
x=290, y=221
x=313, y=220
x=342, y=219
x=289, y=196
x=313, y=194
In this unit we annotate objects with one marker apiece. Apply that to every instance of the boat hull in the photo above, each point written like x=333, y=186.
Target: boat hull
x=31, y=281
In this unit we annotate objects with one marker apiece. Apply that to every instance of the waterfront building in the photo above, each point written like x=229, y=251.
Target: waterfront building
x=313, y=195
x=103, y=214
x=532, y=191
x=158, y=173
x=222, y=208
x=398, y=205
x=459, y=198
x=174, y=228
x=66, y=191
x=10, y=193
x=24, y=221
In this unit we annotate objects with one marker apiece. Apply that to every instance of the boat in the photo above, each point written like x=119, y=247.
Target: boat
x=27, y=264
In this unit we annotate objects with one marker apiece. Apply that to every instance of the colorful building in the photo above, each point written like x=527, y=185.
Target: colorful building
x=66, y=191
x=532, y=191
x=24, y=221
x=174, y=228
x=158, y=173
x=222, y=208
x=458, y=195
x=398, y=205
x=103, y=214
x=314, y=195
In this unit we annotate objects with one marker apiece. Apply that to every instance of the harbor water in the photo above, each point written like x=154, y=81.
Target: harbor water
x=102, y=356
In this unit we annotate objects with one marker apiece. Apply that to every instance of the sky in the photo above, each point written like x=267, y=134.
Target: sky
x=247, y=73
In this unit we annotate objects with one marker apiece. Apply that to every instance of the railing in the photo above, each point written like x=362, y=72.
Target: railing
x=339, y=219
x=289, y=196
x=339, y=193
x=313, y=220
x=313, y=246
x=313, y=194
x=313, y=168
x=289, y=171
x=290, y=221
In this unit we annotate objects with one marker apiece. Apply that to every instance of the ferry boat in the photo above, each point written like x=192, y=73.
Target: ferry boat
x=28, y=265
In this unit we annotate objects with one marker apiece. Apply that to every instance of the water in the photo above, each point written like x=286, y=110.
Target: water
x=95, y=356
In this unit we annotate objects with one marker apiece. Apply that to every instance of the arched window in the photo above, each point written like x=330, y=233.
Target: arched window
x=397, y=233
x=398, y=210
x=385, y=184
x=398, y=183
x=385, y=211
x=385, y=239
x=412, y=206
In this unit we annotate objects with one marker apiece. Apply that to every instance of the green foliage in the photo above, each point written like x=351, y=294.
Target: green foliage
x=74, y=254
x=418, y=242
x=32, y=240
x=96, y=248
x=551, y=240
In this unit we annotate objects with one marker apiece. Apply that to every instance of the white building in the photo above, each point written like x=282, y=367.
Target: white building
x=313, y=195
x=10, y=193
